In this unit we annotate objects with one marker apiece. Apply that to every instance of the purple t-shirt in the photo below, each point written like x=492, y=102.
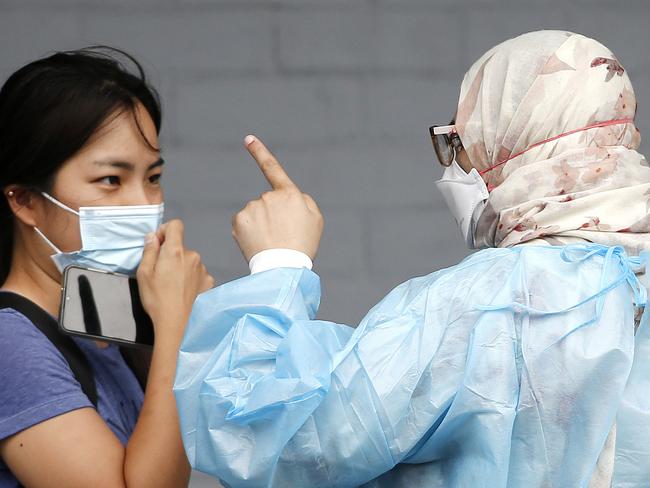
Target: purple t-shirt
x=37, y=384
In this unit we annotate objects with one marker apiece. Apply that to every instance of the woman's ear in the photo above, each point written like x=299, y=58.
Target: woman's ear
x=23, y=203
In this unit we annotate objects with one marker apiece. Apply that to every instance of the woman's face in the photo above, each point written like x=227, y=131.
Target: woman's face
x=116, y=167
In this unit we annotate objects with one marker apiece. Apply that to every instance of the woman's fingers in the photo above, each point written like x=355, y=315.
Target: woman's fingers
x=207, y=283
x=170, y=277
x=172, y=234
x=311, y=203
x=150, y=253
x=281, y=218
x=160, y=233
x=270, y=167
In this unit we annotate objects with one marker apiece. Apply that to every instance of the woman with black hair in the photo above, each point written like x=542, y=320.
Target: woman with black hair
x=79, y=129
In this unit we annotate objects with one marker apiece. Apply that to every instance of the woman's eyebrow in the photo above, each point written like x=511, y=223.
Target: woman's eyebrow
x=129, y=166
x=160, y=162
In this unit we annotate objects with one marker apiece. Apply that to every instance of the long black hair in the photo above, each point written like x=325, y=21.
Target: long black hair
x=50, y=108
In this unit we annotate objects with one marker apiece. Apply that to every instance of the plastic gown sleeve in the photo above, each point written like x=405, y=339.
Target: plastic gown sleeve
x=269, y=397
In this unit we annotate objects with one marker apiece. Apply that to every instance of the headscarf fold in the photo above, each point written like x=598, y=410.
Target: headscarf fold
x=590, y=185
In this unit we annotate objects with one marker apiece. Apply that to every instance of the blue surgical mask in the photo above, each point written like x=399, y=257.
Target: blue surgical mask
x=112, y=237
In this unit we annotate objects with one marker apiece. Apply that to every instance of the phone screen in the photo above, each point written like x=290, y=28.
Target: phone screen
x=104, y=306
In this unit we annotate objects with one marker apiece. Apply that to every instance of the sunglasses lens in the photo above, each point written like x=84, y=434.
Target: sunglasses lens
x=444, y=150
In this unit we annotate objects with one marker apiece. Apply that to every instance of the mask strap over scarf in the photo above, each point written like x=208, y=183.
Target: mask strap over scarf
x=551, y=139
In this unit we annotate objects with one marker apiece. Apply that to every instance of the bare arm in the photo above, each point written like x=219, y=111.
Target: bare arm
x=85, y=452
x=155, y=454
x=77, y=449
x=170, y=277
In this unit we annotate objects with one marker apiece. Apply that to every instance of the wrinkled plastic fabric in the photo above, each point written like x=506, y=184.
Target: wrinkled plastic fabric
x=508, y=369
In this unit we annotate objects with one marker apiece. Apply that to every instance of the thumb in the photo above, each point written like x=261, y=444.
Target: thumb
x=150, y=253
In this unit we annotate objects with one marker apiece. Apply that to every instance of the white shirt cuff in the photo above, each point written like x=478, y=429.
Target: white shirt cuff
x=279, y=258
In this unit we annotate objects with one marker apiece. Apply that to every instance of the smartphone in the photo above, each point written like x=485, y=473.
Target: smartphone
x=104, y=306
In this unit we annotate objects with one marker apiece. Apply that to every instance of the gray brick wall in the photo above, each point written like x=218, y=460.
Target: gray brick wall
x=342, y=91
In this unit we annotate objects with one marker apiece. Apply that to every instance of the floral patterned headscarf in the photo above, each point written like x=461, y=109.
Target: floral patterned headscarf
x=588, y=184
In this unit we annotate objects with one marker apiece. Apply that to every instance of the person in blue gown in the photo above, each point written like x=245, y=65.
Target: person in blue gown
x=525, y=365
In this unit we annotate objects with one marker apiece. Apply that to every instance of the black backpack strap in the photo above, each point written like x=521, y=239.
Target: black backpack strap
x=48, y=325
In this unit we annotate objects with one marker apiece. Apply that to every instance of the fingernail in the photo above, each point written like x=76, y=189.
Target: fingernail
x=148, y=239
x=248, y=140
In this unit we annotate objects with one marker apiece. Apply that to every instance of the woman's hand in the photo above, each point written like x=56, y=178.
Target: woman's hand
x=170, y=277
x=282, y=218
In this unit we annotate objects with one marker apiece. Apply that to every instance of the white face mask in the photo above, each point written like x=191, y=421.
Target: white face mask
x=112, y=237
x=466, y=195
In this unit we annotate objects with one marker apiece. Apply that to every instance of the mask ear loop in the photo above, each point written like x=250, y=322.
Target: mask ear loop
x=47, y=241
x=60, y=205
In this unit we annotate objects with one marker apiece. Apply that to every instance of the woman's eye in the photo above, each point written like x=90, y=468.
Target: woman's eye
x=110, y=180
x=155, y=179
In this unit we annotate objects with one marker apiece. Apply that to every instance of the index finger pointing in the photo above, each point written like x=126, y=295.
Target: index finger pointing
x=270, y=167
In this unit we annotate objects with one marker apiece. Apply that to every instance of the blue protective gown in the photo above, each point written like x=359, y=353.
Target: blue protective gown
x=509, y=369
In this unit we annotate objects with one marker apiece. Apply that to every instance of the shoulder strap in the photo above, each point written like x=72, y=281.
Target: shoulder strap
x=47, y=325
